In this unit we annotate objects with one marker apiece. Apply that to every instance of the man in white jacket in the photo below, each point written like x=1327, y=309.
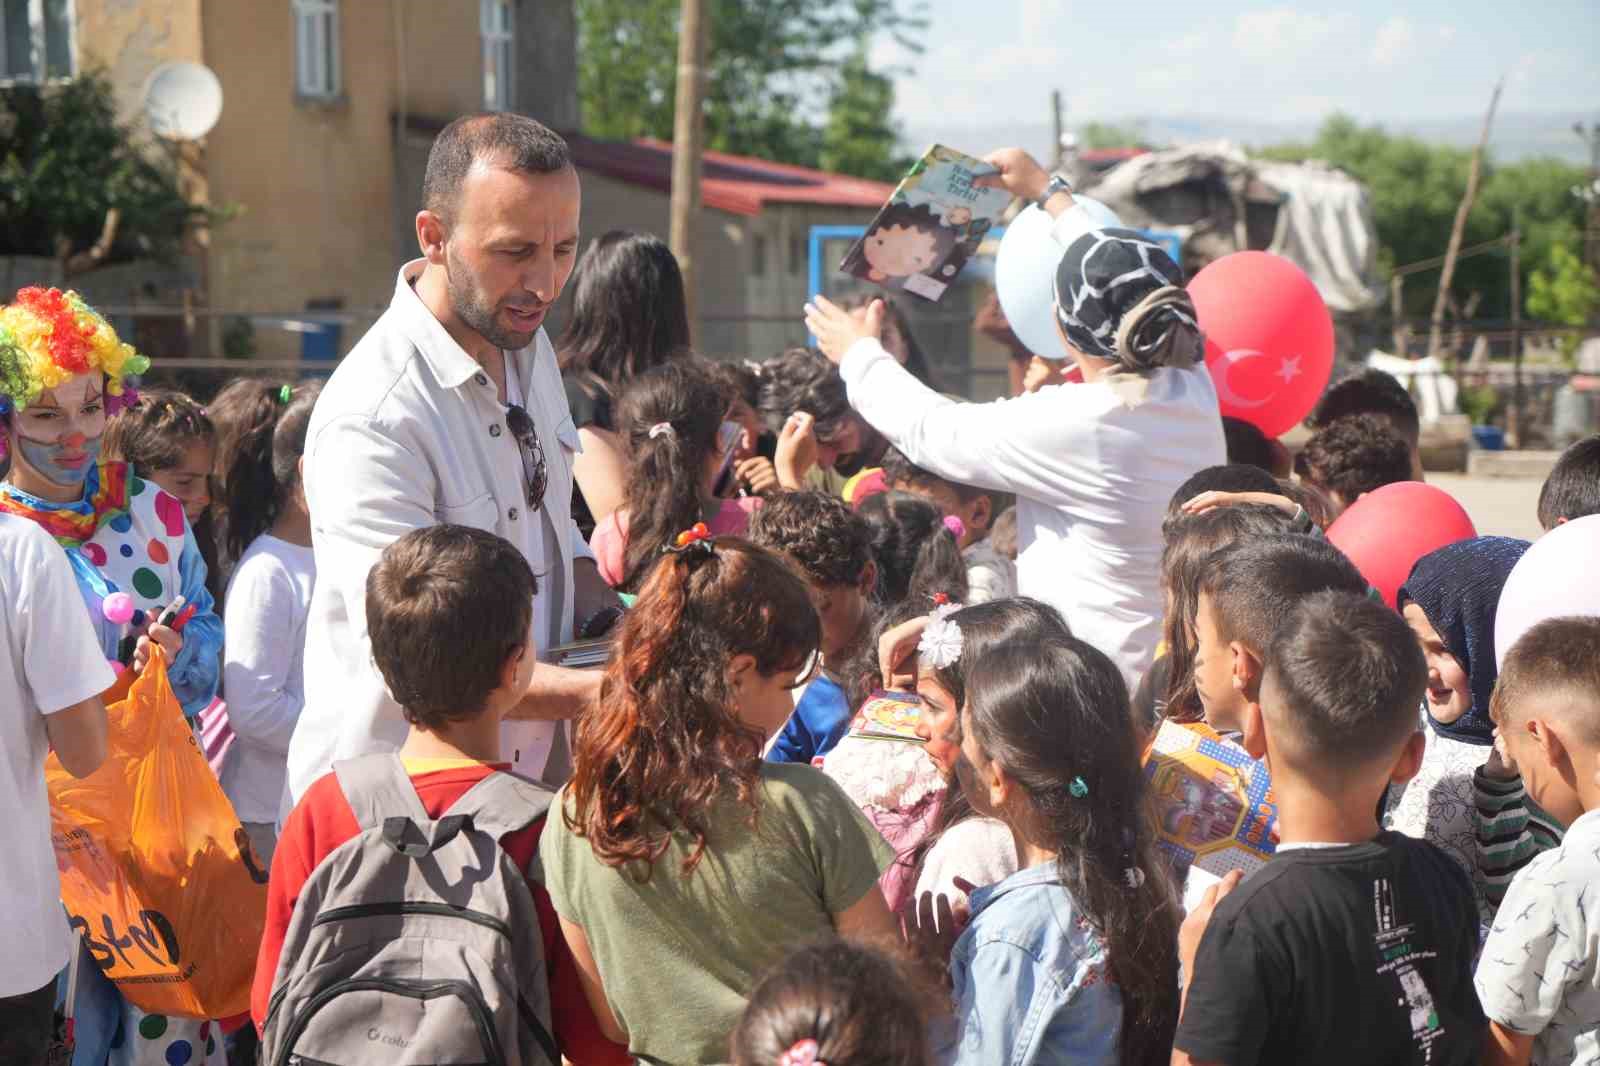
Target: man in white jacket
x=1092, y=462
x=451, y=409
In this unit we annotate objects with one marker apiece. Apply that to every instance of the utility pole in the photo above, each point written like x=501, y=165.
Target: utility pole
x=1436, y=328
x=688, y=133
x=1516, y=325
x=1057, y=129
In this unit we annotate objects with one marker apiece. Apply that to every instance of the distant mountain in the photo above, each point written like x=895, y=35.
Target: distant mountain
x=1516, y=135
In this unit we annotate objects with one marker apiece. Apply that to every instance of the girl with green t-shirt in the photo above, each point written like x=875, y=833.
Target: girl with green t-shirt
x=682, y=865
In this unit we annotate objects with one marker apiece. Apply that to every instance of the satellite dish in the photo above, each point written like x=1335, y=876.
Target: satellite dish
x=182, y=101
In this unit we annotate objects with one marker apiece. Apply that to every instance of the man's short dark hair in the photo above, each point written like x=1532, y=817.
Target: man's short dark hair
x=1350, y=675
x=1254, y=584
x=1369, y=392
x=1230, y=477
x=1356, y=454
x=446, y=606
x=1559, y=658
x=1573, y=488
x=830, y=542
x=502, y=139
x=802, y=379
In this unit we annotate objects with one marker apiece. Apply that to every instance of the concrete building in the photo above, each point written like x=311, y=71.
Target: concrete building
x=310, y=153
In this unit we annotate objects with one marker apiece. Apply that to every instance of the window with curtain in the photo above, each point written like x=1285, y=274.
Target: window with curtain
x=36, y=40
x=497, y=21
x=316, y=48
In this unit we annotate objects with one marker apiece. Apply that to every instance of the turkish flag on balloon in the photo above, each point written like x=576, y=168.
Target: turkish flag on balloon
x=1269, y=338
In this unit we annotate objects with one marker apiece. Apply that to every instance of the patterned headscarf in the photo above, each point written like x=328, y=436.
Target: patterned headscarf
x=1119, y=296
x=48, y=336
x=1458, y=588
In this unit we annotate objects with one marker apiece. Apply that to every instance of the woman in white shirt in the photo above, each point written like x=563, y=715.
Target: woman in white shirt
x=1092, y=462
x=268, y=529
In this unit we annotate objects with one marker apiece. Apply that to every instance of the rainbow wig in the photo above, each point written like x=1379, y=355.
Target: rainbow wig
x=48, y=336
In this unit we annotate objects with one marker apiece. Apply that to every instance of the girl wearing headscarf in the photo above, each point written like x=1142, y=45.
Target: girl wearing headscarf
x=1449, y=601
x=1093, y=461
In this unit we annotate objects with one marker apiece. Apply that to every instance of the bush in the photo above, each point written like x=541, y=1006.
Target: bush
x=65, y=161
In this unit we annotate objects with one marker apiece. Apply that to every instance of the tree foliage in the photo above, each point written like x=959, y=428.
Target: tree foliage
x=775, y=71
x=1093, y=135
x=1416, y=188
x=65, y=161
x=1566, y=293
x=859, y=136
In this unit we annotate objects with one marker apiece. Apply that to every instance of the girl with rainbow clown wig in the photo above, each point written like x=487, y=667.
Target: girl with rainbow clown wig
x=62, y=370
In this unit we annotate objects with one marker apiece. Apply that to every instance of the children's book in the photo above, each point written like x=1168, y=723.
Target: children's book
x=888, y=716
x=930, y=227
x=580, y=654
x=1214, y=804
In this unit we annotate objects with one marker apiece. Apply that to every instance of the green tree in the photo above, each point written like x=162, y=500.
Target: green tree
x=859, y=137
x=770, y=63
x=65, y=161
x=1092, y=135
x=1566, y=293
x=1417, y=186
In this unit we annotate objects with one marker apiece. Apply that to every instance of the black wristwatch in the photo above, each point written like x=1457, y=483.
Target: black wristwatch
x=1057, y=184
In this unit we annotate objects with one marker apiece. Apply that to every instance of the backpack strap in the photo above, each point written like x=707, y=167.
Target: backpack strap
x=502, y=803
x=378, y=788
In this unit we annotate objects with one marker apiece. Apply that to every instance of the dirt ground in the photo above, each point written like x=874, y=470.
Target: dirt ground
x=1499, y=506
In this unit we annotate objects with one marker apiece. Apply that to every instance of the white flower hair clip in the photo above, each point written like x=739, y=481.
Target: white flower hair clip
x=941, y=641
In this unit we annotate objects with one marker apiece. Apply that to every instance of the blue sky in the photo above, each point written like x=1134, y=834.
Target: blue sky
x=992, y=63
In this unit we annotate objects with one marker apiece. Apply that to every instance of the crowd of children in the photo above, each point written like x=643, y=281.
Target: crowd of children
x=854, y=791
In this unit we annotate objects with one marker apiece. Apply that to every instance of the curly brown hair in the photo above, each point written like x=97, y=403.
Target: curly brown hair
x=831, y=543
x=1354, y=455
x=664, y=739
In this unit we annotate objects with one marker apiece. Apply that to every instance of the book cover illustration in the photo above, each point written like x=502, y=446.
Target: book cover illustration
x=1214, y=803
x=888, y=716
x=930, y=227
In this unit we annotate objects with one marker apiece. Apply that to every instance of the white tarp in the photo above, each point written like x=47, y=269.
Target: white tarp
x=1204, y=193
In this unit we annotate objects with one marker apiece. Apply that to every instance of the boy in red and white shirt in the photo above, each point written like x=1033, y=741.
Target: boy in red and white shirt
x=439, y=605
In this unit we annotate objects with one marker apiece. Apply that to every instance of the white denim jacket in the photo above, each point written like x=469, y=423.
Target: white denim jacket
x=409, y=432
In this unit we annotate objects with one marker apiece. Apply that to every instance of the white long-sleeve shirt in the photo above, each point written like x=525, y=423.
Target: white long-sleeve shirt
x=263, y=670
x=1092, y=465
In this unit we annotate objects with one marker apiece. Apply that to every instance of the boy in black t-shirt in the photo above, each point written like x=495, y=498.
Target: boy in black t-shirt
x=1352, y=945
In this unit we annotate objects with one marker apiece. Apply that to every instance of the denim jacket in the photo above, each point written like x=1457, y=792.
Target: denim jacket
x=1030, y=980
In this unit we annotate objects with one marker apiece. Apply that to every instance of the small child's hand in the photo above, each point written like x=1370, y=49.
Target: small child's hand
x=1500, y=765
x=797, y=450
x=895, y=649
x=1208, y=500
x=1194, y=926
x=171, y=642
x=931, y=930
x=758, y=475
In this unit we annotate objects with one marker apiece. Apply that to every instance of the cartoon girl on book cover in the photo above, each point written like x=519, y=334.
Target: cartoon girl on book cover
x=907, y=239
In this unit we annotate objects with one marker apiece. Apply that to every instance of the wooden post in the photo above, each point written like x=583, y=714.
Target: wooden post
x=1448, y=271
x=1397, y=311
x=1057, y=129
x=1515, y=420
x=687, y=135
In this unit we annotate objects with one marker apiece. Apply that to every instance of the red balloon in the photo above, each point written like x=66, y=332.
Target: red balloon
x=1269, y=338
x=1386, y=531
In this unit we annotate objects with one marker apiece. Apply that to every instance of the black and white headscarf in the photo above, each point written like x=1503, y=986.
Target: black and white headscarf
x=1119, y=296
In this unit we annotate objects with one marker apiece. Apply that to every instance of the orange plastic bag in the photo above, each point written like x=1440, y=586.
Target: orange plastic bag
x=156, y=871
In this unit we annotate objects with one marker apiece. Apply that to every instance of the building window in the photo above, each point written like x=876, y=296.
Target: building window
x=316, y=48
x=35, y=40
x=758, y=256
x=497, y=21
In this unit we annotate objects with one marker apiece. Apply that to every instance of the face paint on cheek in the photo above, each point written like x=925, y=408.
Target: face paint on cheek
x=58, y=463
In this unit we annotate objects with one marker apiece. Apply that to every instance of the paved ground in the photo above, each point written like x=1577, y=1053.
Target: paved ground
x=1500, y=506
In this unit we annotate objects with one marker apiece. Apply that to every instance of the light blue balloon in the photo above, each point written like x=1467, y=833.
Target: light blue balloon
x=1025, y=270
